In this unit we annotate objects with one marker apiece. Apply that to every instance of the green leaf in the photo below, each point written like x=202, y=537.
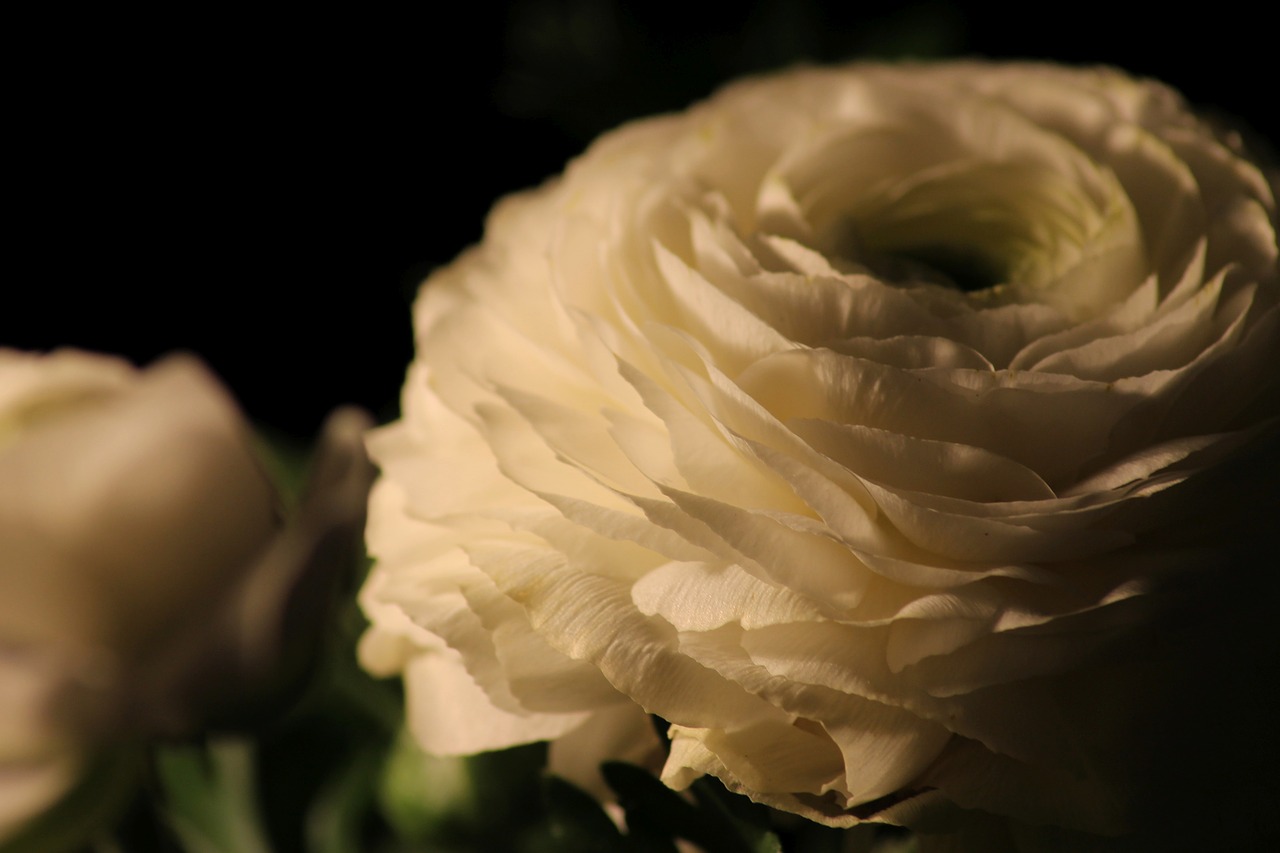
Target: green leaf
x=419, y=793
x=900, y=842
x=747, y=821
x=285, y=459
x=648, y=839
x=808, y=837
x=654, y=811
x=578, y=823
x=212, y=796
x=720, y=822
x=335, y=818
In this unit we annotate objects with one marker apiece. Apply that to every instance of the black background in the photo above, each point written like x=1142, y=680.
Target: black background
x=267, y=190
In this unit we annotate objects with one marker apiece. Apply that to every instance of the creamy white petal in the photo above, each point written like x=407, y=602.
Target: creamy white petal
x=700, y=597
x=867, y=424
x=449, y=714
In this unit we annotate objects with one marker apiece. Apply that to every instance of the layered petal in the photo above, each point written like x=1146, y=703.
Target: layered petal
x=864, y=423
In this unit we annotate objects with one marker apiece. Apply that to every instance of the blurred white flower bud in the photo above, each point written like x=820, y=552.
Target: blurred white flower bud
x=148, y=586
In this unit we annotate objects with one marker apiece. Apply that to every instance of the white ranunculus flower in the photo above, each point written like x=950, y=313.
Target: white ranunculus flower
x=902, y=435
x=147, y=586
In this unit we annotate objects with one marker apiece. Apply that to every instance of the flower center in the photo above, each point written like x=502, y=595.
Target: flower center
x=997, y=221
x=972, y=226
x=955, y=266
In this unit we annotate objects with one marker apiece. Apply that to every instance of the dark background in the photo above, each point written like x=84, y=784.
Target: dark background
x=268, y=190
